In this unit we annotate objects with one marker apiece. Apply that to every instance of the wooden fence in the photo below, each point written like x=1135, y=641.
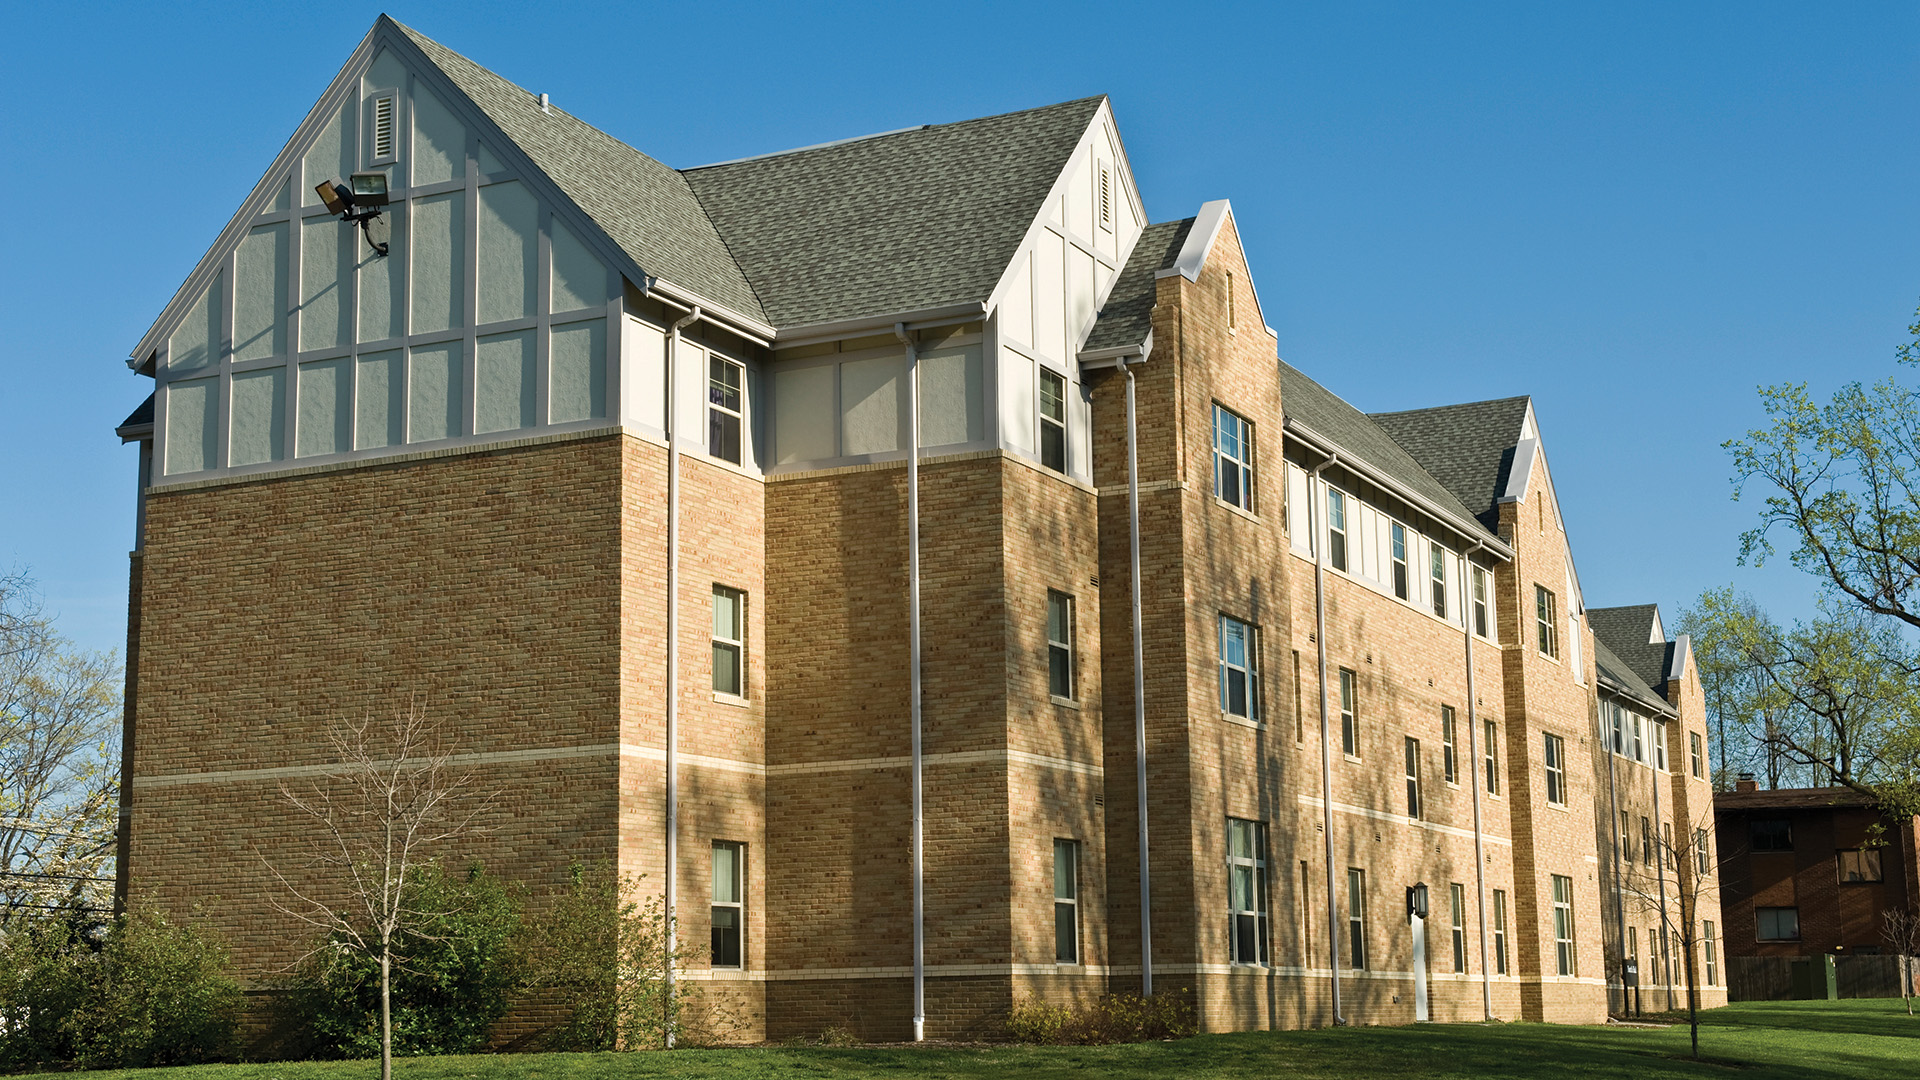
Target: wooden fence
x=1786, y=978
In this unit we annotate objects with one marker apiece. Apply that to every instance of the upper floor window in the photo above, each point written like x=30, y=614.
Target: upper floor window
x=729, y=641
x=1232, y=459
x=1449, y=767
x=1413, y=778
x=1437, y=557
x=1771, y=834
x=1059, y=644
x=1397, y=534
x=1703, y=851
x=1547, y=628
x=1696, y=757
x=1616, y=725
x=1492, y=757
x=1660, y=745
x=725, y=380
x=1349, y=722
x=1247, y=891
x=1481, y=623
x=1859, y=865
x=1336, y=529
x=1239, y=668
x=1053, y=420
x=1556, y=762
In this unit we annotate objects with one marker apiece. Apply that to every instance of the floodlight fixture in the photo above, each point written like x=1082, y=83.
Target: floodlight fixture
x=369, y=189
x=357, y=204
x=335, y=195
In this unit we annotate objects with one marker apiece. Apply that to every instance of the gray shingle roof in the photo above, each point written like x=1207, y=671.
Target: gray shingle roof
x=1314, y=405
x=1622, y=674
x=1628, y=632
x=1128, y=316
x=644, y=206
x=1468, y=448
x=899, y=222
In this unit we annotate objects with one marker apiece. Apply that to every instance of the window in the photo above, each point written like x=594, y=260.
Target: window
x=1336, y=530
x=1399, y=540
x=729, y=910
x=1713, y=957
x=1247, y=891
x=1626, y=838
x=1299, y=704
x=1637, y=728
x=1702, y=852
x=1659, y=744
x=1777, y=923
x=1492, y=758
x=1563, y=925
x=1500, y=931
x=1457, y=906
x=1480, y=620
x=1437, y=571
x=1556, y=762
x=1066, y=901
x=1861, y=865
x=1771, y=834
x=1616, y=723
x=1239, y=668
x=1349, y=724
x=1413, y=778
x=1633, y=947
x=1053, y=421
x=1695, y=759
x=1356, y=919
x=1232, y=459
x=1059, y=644
x=1646, y=841
x=1666, y=846
x=729, y=641
x=724, y=408
x=1543, y=615
x=1449, y=769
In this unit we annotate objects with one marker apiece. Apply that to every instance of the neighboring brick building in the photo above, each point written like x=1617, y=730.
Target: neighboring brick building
x=1807, y=873
x=461, y=470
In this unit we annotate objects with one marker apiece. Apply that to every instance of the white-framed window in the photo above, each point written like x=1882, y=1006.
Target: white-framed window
x=1437, y=573
x=1546, y=629
x=1615, y=725
x=1500, y=931
x=1356, y=918
x=1555, y=760
x=1349, y=718
x=1053, y=420
x=1449, y=755
x=1696, y=756
x=1066, y=901
x=1646, y=841
x=1060, y=673
x=1660, y=745
x=1247, y=891
x=1626, y=837
x=1482, y=622
x=729, y=904
x=1457, y=908
x=1491, y=757
x=1239, y=668
x=1703, y=852
x=1397, y=541
x=1668, y=861
x=1232, y=459
x=1638, y=729
x=1712, y=951
x=1337, y=529
x=1413, y=778
x=726, y=409
x=1563, y=950
x=729, y=641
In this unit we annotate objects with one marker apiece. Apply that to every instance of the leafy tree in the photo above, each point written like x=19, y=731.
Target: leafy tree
x=603, y=954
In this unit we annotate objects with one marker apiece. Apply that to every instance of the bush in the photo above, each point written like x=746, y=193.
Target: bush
x=146, y=990
x=1113, y=1018
x=604, y=955
x=453, y=973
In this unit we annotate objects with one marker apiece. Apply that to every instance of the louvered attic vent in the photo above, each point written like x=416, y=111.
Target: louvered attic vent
x=383, y=137
x=1106, y=195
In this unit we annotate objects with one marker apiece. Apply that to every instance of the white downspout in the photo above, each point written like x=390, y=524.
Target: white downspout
x=913, y=679
x=1315, y=487
x=1619, y=882
x=1474, y=766
x=1139, y=687
x=1660, y=871
x=673, y=646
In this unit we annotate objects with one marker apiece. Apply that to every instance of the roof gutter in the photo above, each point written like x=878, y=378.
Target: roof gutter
x=1625, y=691
x=1472, y=531
x=1116, y=356
x=919, y=319
x=731, y=321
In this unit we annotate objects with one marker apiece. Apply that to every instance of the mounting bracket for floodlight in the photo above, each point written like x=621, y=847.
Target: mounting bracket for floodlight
x=359, y=204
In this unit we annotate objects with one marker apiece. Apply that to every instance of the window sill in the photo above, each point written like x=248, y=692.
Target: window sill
x=1257, y=725
x=1237, y=510
x=1560, y=806
x=1351, y=758
x=732, y=699
x=1063, y=702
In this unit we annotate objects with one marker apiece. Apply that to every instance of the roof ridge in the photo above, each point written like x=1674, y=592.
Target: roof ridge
x=908, y=130
x=1455, y=405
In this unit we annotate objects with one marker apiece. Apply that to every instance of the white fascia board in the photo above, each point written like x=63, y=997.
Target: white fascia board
x=1658, y=635
x=1521, y=475
x=1380, y=478
x=256, y=202
x=1213, y=216
x=1142, y=349
x=1633, y=696
x=919, y=318
x=745, y=326
x=1682, y=652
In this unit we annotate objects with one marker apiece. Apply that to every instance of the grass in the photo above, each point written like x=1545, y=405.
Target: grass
x=1801, y=1040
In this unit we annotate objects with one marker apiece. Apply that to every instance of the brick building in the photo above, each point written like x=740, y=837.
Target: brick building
x=609, y=462
x=1808, y=873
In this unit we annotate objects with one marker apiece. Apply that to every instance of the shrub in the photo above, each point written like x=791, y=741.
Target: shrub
x=44, y=964
x=453, y=973
x=1113, y=1018
x=604, y=955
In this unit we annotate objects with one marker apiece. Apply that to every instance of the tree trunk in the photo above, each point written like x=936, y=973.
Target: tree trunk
x=386, y=1011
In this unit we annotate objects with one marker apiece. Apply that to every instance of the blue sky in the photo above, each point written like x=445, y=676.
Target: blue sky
x=1634, y=212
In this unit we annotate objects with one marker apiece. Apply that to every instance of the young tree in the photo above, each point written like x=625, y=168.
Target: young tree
x=58, y=710
x=1685, y=886
x=388, y=804
x=1900, y=929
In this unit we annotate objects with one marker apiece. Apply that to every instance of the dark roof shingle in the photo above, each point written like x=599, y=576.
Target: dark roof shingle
x=1128, y=316
x=1468, y=448
x=1622, y=674
x=1628, y=632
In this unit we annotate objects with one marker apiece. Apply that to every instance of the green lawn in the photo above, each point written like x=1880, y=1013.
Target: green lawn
x=1838, y=1040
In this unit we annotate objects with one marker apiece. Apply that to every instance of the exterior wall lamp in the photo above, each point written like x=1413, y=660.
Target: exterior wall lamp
x=358, y=203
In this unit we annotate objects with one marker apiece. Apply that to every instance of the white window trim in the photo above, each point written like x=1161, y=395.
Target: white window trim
x=1261, y=912
x=1072, y=696
x=738, y=645
x=739, y=852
